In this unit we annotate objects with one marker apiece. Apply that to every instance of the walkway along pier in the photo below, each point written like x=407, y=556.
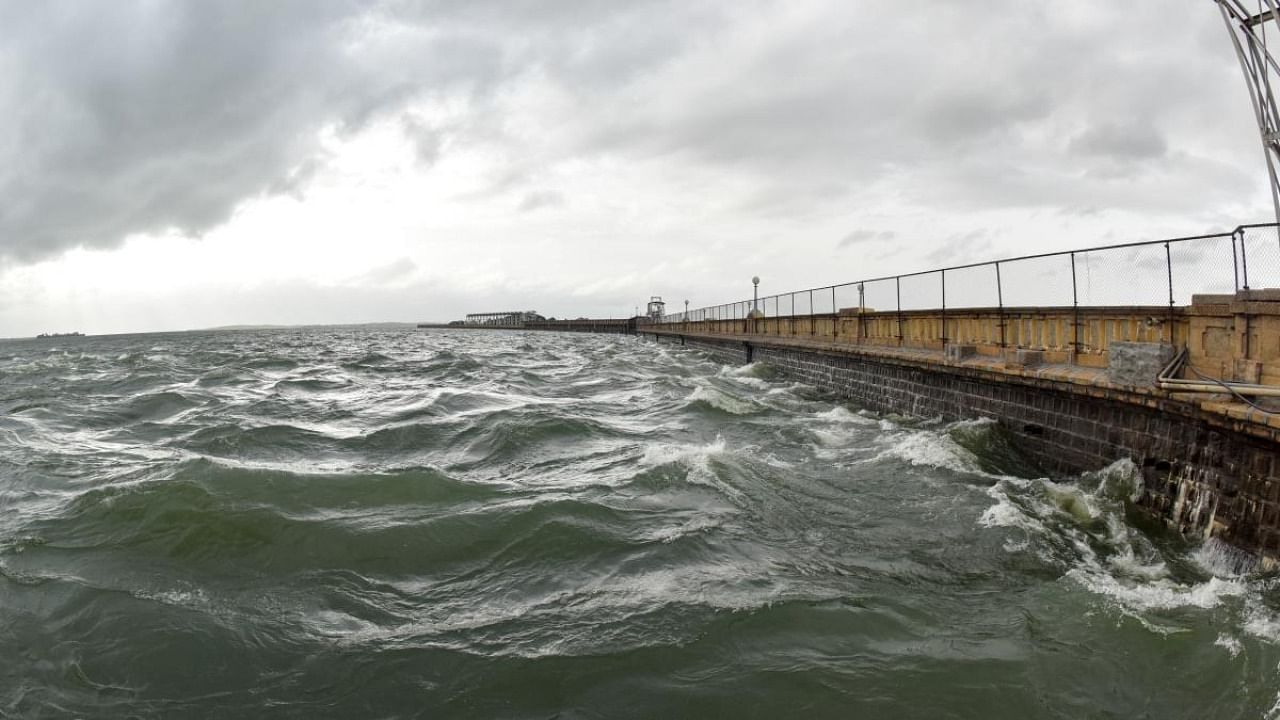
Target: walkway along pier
x=1186, y=391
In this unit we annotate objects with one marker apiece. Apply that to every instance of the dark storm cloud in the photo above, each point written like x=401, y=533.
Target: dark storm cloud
x=136, y=117
x=129, y=117
x=1120, y=141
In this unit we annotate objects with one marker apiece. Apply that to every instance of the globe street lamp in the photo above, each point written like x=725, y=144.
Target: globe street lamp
x=755, y=294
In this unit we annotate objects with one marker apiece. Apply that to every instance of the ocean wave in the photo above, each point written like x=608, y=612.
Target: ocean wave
x=709, y=399
x=282, y=442
x=519, y=523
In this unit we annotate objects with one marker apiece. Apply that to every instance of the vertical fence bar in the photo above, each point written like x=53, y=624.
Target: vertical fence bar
x=1244, y=260
x=793, y=314
x=1235, y=261
x=1000, y=306
x=835, y=315
x=1075, y=312
x=1168, y=262
x=944, y=310
x=897, y=289
x=813, y=326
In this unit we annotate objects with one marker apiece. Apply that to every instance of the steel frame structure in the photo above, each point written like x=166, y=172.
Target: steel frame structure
x=1248, y=30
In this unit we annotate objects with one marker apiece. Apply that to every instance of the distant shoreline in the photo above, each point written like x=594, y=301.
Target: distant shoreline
x=221, y=328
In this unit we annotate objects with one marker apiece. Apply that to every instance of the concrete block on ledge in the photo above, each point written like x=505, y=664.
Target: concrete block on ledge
x=1137, y=364
x=1024, y=358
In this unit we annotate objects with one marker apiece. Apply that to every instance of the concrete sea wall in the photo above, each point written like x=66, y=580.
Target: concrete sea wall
x=1204, y=473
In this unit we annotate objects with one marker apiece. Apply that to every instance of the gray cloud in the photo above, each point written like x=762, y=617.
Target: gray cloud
x=541, y=199
x=390, y=273
x=1120, y=141
x=859, y=237
x=961, y=248
x=129, y=117
x=139, y=117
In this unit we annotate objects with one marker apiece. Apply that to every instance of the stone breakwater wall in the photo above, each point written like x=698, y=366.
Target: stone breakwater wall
x=625, y=326
x=1204, y=473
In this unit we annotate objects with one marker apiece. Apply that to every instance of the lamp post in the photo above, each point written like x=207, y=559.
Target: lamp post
x=755, y=304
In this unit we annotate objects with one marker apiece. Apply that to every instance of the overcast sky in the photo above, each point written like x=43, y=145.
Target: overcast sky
x=174, y=165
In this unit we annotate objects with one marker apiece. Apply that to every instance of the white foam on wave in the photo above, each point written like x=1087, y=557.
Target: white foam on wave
x=697, y=458
x=788, y=389
x=1162, y=594
x=194, y=597
x=830, y=438
x=1222, y=560
x=932, y=449
x=1072, y=520
x=1259, y=620
x=837, y=429
x=841, y=414
x=753, y=382
x=337, y=624
x=751, y=370
x=1005, y=512
x=1231, y=644
x=694, y=526
x=721, y=400
x=665, y=453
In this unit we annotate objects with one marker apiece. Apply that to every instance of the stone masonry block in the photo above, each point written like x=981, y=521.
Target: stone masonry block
x=1137, y=364
x=957, y=353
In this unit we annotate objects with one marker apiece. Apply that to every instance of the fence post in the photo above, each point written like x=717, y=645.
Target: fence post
x=835, y=315
x=1168, y=261
x=897, y=289
x=792, y=322
x=1244, y=260
x=944, y=310
x=1075, y=312
x=1235, y=261
x=1000, y=306
x=813, y=327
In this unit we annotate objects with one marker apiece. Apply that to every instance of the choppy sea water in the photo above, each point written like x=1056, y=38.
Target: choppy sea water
x=361, y=523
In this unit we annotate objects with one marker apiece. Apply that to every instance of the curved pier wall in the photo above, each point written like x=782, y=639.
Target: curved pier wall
x=1200, y=475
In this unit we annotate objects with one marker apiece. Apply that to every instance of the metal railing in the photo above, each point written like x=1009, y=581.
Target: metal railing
x=1148, y=274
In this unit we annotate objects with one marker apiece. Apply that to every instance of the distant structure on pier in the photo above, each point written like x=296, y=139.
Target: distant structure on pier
x=656, y=308
x=507, y=318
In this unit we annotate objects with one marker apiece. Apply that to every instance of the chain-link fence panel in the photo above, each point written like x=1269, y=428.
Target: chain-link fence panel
x=1037, y=282
x=846, y=296
x=1259, y=250
x=972, y=287
x=880, y=295
x=922, y=292
x=793, y=304
x=1123, y=276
